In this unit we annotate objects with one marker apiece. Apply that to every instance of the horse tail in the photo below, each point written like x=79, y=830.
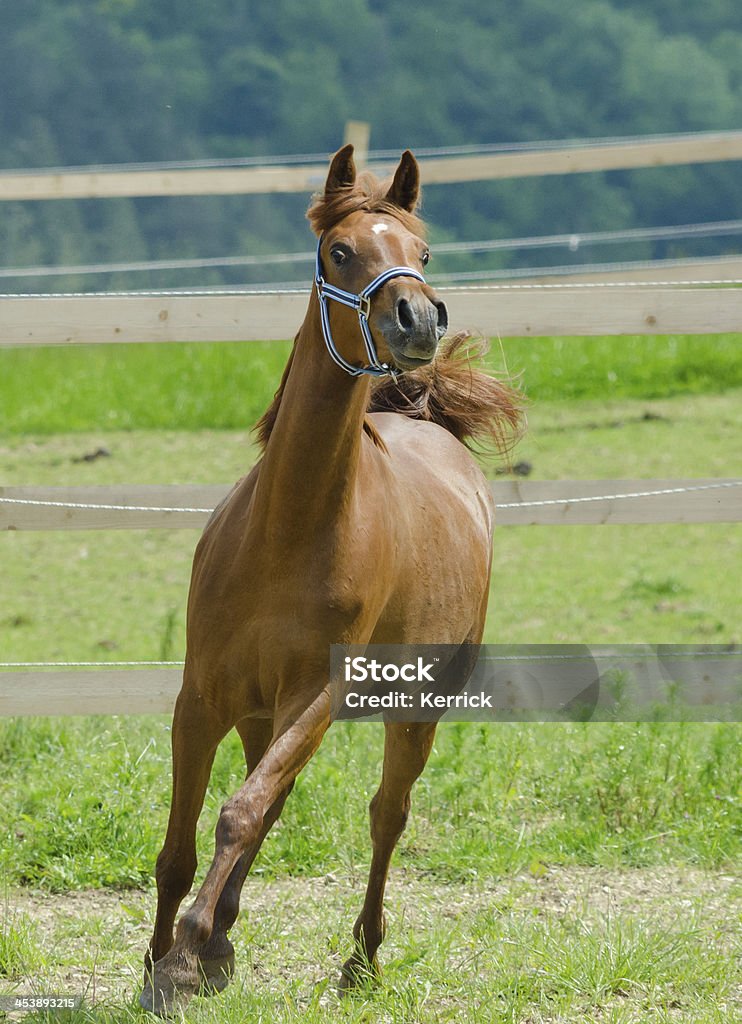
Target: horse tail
x=482, y=412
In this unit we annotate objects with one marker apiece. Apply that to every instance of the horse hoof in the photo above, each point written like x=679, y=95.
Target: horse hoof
x=147, y=1001
x=170, y=986
x=215, y=974
x=358, y=973
x=164, y=1002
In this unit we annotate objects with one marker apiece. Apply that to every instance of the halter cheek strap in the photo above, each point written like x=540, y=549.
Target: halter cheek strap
x=362, y=304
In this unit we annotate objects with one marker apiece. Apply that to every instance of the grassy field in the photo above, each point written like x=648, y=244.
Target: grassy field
x=227, y=386
x=570, y=873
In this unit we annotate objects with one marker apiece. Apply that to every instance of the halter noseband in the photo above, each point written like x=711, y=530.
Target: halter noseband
x=362, y=304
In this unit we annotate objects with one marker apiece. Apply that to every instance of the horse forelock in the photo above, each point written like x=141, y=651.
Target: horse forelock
x=367, y=194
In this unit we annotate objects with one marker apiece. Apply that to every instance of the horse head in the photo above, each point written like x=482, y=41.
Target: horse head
x=370, y=259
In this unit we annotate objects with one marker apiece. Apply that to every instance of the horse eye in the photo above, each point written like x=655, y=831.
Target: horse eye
x=425, y=258
x=338, y=257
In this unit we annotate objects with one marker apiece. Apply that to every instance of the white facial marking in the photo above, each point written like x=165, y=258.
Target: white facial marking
x=378, y=228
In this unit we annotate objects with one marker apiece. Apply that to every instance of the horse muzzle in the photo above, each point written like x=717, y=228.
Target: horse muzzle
x=419, y=324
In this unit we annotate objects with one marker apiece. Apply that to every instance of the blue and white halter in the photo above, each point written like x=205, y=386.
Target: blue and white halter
x=362, y=304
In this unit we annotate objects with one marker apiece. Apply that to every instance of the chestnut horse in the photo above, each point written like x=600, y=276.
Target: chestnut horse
x=355, y=527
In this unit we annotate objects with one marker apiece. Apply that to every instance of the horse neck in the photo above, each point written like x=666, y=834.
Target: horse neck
x=310, y=467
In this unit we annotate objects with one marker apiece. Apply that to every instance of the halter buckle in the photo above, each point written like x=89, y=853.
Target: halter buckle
x=364, y=306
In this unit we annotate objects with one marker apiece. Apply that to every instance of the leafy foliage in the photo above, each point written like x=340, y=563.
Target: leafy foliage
x=102, y=81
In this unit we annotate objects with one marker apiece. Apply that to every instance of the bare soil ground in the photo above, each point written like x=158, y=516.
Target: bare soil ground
x=92, y=942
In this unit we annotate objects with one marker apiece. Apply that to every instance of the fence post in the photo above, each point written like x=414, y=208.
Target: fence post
x=359, y=133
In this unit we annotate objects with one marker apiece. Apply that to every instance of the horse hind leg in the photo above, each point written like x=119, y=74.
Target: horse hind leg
x=406, y=750
x=217, y=955
x=407, y=747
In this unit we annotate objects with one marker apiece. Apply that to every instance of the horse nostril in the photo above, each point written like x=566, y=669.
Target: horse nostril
x=405, y=316
x=442, y=317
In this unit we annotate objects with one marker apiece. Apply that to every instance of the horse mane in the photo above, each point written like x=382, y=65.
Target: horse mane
x=264, y=427
x=482, y=412
x=366, y=193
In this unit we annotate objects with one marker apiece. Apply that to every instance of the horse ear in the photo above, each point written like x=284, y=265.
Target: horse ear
x=405, y=189
x=342, y=173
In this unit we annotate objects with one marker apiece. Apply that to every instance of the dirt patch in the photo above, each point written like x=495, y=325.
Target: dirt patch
x=554, y=887
x=92, y=942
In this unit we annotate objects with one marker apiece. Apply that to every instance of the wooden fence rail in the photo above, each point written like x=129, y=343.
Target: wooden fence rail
x=520, y=503
x=704, y=147
x=507, y=311
x=99, y=692
x=712, y=269
x=141, y=691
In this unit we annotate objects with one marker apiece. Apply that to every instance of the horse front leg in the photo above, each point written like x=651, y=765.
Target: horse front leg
x=216, y=956
x=406, y=750
x=195, y=737
x=176, y=977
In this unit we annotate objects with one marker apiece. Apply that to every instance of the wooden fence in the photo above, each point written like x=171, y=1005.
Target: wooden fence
x=556, y=158
x=519, y=503
x=505, y=311
x=618, y=154
x=712, y=269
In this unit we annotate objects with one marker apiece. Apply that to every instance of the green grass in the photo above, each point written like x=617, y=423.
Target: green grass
x=563, y=369
x=19, y=942
x=174, y=386
x=88, y=800
x=227, y=385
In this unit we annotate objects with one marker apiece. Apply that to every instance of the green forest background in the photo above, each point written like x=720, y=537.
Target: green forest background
x=111, y=81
